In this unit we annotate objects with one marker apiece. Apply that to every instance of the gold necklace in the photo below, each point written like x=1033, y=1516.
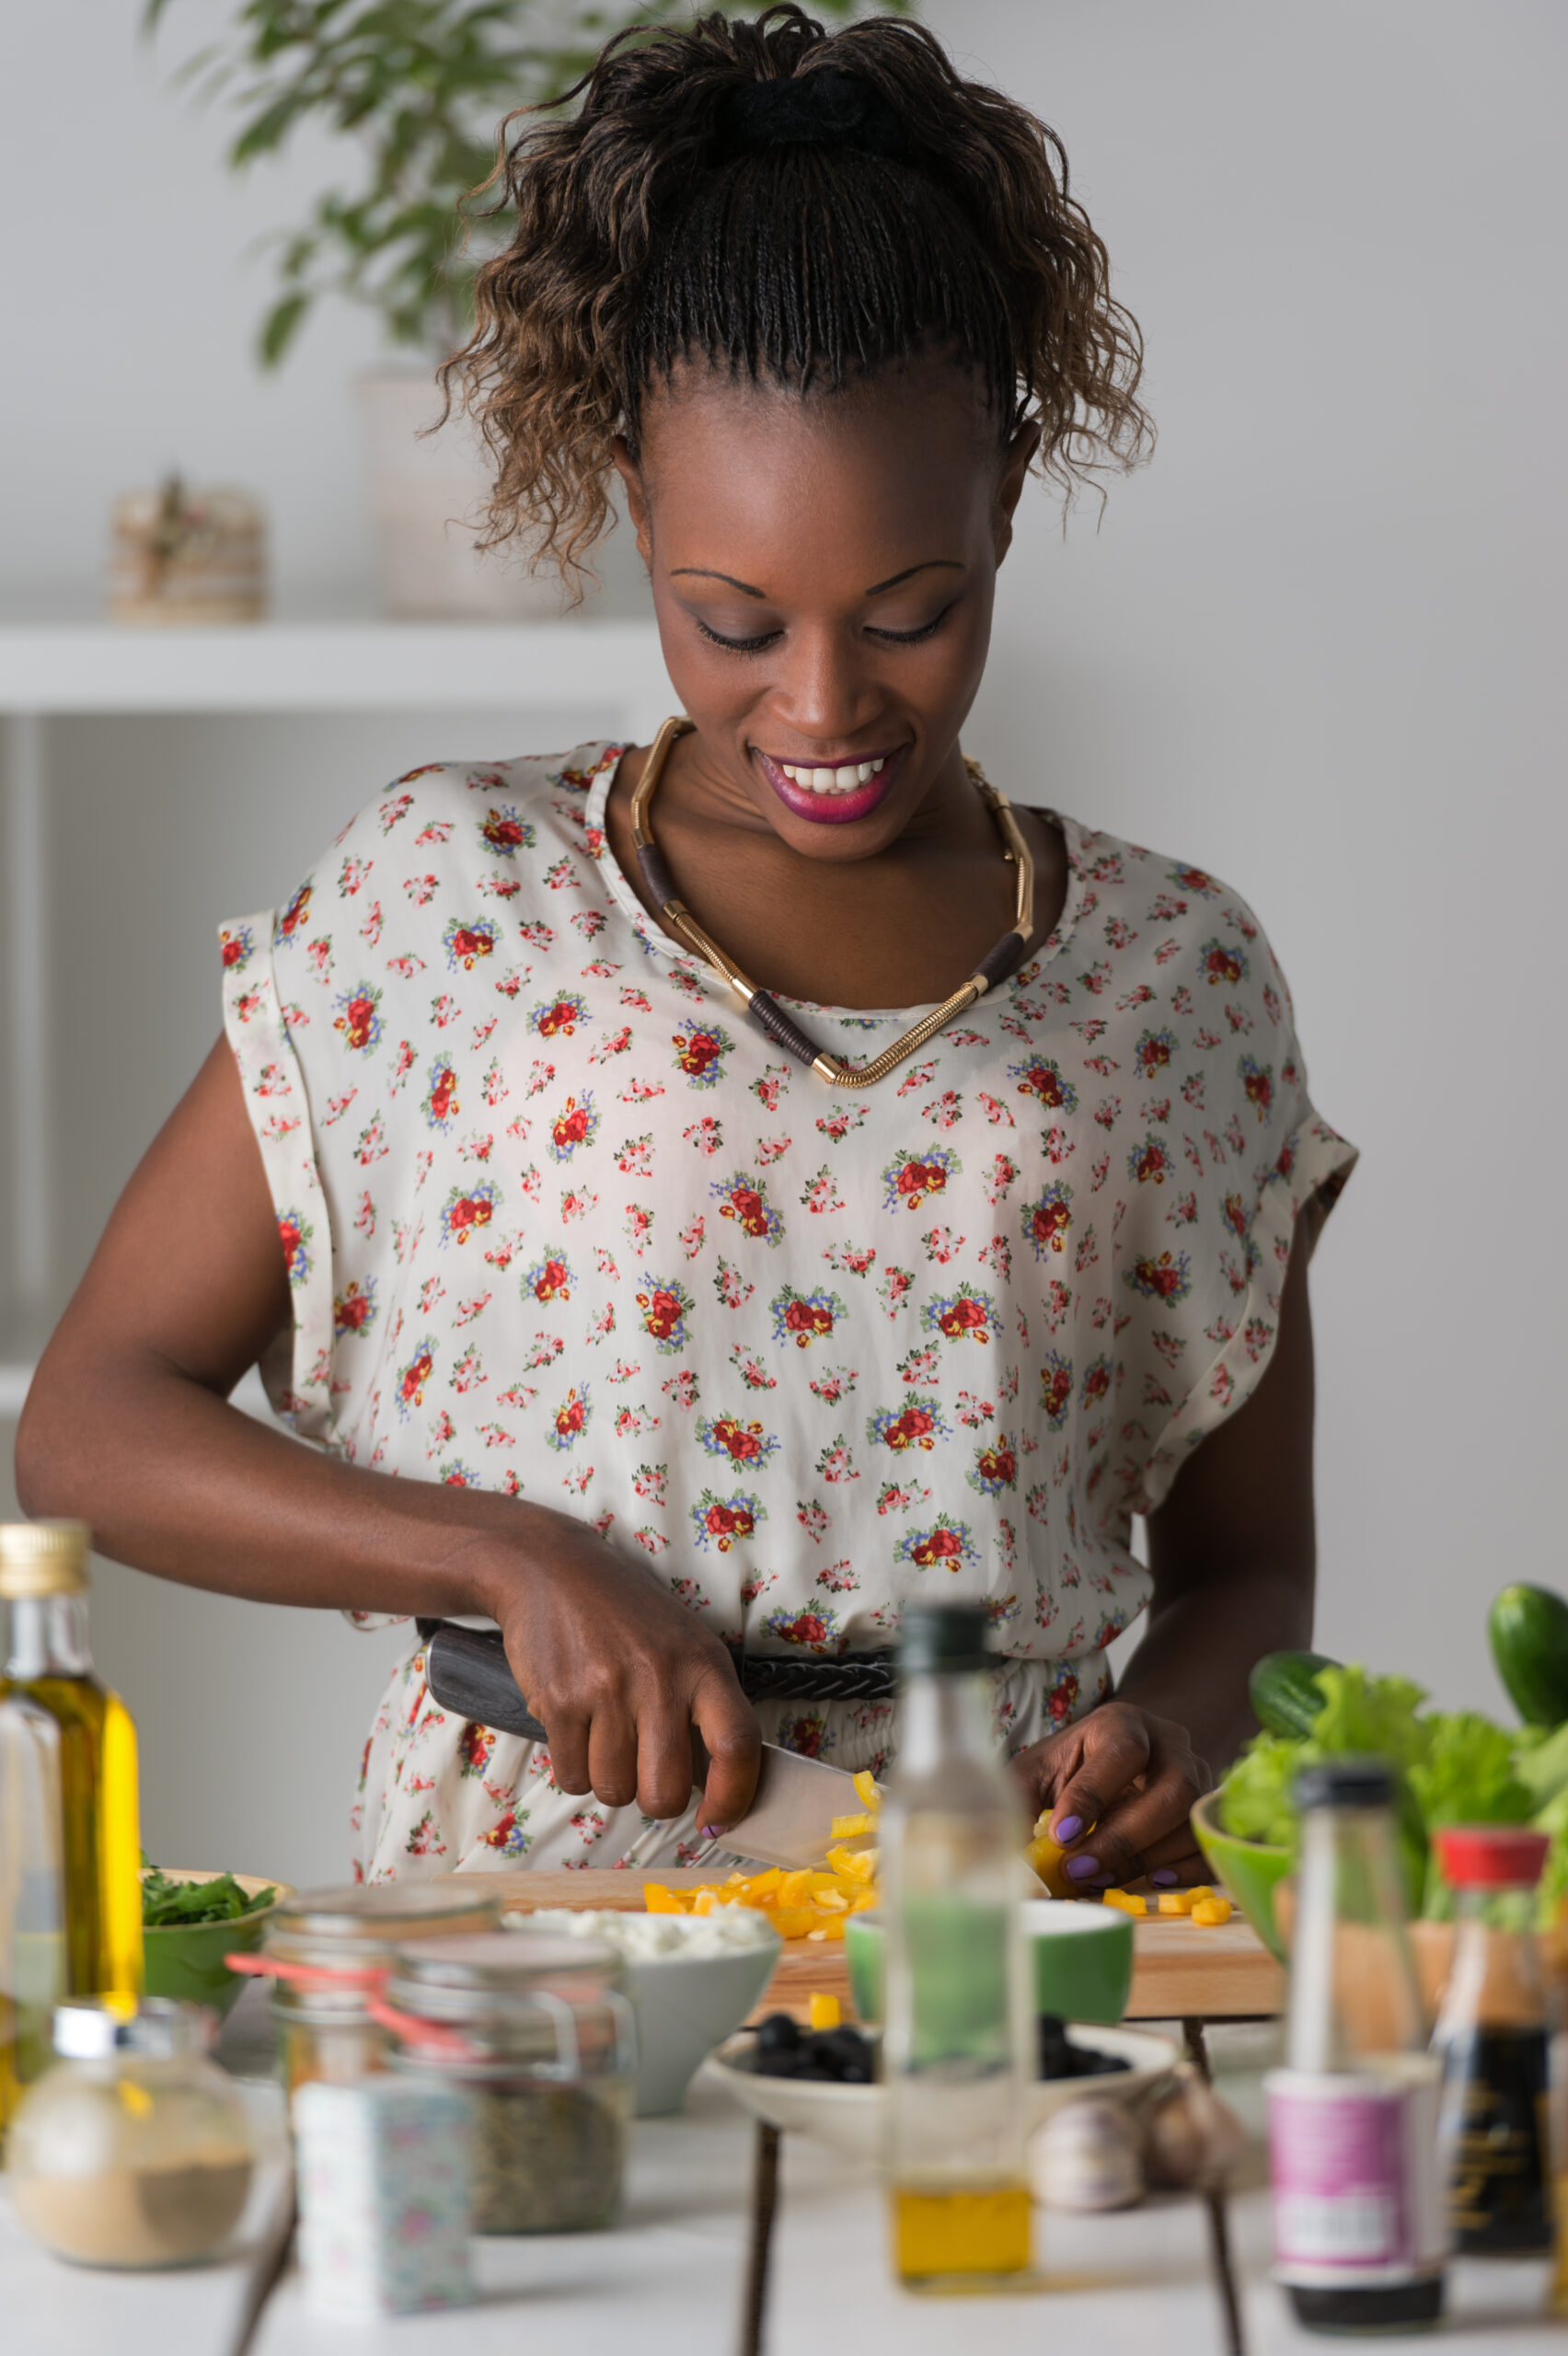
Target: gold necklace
x=765, y=1012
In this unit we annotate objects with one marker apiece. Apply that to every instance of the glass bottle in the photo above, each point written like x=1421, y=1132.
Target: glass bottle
x=959, y=2025
x=43, y=1577
x=32, y=1893
x=1494, y=2038
x=135, y=2149
x=1359, y=2240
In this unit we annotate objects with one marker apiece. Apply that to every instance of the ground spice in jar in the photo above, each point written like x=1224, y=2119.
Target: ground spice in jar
x=133, y=2150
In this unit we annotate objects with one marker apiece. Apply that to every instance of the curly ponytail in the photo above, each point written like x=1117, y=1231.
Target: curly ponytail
x=795, y=206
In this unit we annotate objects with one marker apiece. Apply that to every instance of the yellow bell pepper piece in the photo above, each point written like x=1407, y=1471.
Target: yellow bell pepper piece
x=705, y=1902
x=1127, y=1900
x=832, y=1929
x=851, y=1828
x=795, y=1889
x=658, y=1900
x=826, y=2012
x=853, y=1864
x=794, y=1922
x=831, y=1901
x=1178, y=1901
x=1043, y=1857
x=764, y=1884
x=865, y=1784
x=1212, y=1910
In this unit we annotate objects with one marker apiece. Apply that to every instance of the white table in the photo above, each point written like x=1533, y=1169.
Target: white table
x=50, y=670
x=668, y=2280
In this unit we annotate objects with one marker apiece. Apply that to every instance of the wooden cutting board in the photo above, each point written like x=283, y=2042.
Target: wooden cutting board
x=1179, y=1970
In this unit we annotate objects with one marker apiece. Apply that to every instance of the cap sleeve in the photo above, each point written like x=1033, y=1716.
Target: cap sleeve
x=1200, y=1277
x=297, y=1371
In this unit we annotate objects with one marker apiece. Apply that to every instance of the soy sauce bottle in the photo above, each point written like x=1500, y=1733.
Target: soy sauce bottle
x=1495, y=2041
x=1359, y=2238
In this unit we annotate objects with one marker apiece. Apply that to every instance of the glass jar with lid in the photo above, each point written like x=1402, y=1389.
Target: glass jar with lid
x=535, y=2026
x=328, y=1953
x=134, y=2149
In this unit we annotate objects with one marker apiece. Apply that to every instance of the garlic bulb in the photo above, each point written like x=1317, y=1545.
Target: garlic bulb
x=1191, y=2137
x=1086, y=2157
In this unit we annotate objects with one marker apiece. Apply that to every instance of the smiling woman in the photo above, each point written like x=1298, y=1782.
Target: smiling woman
x=683, y=1355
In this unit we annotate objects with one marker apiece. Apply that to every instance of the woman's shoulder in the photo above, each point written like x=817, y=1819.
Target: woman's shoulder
x=1149, y=927
x=492, y=808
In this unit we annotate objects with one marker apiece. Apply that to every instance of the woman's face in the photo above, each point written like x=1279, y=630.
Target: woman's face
x=824, y=568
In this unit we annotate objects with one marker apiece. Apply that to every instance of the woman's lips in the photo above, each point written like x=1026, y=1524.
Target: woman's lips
x=833, y=806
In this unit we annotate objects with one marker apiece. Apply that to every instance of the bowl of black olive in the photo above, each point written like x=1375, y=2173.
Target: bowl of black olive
x=824, y=2083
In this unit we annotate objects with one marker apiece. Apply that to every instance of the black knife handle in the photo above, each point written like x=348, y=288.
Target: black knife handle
x=467, y=1673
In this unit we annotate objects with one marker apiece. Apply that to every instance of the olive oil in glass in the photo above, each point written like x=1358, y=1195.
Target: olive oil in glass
x=959, y=2022
x=43, y=1580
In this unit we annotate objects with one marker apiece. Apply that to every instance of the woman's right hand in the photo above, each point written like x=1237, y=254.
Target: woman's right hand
x=621, y=1673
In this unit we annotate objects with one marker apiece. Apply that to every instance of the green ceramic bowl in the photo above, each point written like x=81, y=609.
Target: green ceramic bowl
x=186, y=1961
x=1250, y=1870
x=1081, y=1955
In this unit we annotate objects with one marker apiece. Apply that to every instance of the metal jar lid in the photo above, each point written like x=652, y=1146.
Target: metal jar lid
x=92, y=2030
x=357, y=1926
x=499, y=1971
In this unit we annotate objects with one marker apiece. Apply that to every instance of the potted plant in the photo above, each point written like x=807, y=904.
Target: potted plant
x=416, y=88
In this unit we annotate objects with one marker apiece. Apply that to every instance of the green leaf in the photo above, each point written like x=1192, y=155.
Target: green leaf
x=166, y=1903
x=280, y=328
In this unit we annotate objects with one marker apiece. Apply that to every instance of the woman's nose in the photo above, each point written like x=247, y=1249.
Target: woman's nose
x=827, y=691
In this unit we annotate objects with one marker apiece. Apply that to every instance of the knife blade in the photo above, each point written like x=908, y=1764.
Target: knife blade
x=789, y=1821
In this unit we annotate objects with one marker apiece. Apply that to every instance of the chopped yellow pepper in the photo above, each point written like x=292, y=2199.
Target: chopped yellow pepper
x=827, y=2011
x=865, y=1784
x=1212, y=1910
x=850, y=1827
x=1178, y=1901
x=853, y=1864
x=661, y=1901
x=1127, y=1900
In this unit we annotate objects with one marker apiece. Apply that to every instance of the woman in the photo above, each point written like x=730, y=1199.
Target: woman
x=675, y=1342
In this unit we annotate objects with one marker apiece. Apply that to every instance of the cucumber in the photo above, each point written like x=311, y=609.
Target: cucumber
x=1528, y=1628
x=1282, y=1689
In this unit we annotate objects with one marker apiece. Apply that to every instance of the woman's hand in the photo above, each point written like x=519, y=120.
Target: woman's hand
x=1120, y=1785
x=622, y=1674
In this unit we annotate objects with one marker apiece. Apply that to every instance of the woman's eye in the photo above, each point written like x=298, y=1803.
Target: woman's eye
x=737, y=645
x=912, y=637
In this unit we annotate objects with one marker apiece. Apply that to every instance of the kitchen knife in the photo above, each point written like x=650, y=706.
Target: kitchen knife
x=790, y=1822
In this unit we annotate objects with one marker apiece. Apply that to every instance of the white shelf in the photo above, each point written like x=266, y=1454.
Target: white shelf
x=50, y=668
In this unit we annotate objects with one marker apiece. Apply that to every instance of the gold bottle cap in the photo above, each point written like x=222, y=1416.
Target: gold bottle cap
x=43, y=1558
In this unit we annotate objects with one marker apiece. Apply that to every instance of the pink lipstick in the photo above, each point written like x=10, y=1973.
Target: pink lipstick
x=832, y=793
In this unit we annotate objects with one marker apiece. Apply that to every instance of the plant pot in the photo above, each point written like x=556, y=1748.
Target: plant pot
x=428, y=492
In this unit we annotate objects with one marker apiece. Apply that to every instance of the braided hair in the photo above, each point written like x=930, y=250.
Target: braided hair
x=793, y=206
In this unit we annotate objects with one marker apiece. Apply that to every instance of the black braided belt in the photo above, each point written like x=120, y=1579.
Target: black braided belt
x=468, y=1673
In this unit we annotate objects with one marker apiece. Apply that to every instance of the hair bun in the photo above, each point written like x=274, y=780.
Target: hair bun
x=826, y=108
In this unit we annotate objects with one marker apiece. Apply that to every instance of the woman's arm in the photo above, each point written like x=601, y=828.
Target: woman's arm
x=128, y=1426
x=1233, y=1552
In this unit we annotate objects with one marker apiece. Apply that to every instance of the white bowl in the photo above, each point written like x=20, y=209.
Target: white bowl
x=850, y=2119
x=686, y=2004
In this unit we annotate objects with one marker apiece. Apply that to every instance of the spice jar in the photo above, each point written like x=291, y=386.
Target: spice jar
x=329, y=1952
x=134, y=2149
x=532, y=2024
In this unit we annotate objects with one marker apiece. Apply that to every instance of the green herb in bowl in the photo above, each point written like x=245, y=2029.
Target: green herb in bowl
x=223, y=1900
x=191, y=1921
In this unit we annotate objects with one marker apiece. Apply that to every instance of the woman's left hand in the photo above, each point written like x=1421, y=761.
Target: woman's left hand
x=1120, y=1785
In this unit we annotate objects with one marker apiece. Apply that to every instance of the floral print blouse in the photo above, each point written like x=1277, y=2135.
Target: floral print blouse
x=560, y=1221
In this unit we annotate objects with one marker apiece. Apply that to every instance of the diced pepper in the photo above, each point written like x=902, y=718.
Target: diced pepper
x=705, y=1902
x=1043, y=1857
x=863, y=1899
x=865, y=1784
x=832, y=1901
x=1178, y=1901
x=795, y=1889
x=826, y=2012
x=853, y=1864
x=658, y=1900
x=832, y=1929
x=1212, y=1910
x=851, y=1828
x=794, y=1922
x=1127, y=1900
x=762, y=1884
x=1201, y=1890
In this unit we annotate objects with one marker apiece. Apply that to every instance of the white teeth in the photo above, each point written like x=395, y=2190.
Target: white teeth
x=835, y=781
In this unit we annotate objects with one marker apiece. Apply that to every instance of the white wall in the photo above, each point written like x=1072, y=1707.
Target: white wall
x=1317, y=646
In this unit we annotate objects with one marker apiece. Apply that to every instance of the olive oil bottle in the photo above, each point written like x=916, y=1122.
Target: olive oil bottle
x=43, y=1580
x=960, y=2025
x=32, y=1894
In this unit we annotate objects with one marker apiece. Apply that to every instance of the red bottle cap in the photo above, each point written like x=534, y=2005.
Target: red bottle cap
x=1491, y=1856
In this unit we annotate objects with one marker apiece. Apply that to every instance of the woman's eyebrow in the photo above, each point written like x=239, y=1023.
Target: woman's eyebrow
x=706, y=573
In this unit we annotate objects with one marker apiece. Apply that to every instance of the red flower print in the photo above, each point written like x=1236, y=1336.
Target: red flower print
x=1062, y=1701
x=1222, y=965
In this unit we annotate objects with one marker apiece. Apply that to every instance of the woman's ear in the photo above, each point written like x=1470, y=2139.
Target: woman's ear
x=1010, y=490
x=635, y=497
